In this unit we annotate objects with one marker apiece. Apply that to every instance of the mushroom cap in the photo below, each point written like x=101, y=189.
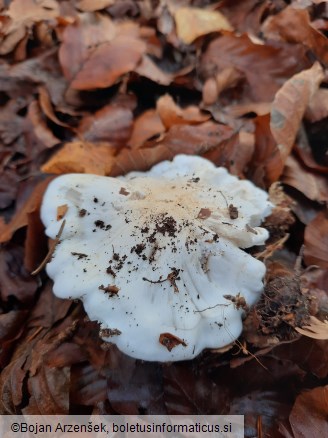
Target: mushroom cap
x=156, y=256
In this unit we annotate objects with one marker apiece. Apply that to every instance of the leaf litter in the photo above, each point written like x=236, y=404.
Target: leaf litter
x=107, y=87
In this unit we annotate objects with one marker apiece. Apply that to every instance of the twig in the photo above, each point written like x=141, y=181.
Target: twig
x=51, y=250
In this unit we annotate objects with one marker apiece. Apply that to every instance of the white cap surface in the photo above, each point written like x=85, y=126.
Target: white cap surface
x=153, y=254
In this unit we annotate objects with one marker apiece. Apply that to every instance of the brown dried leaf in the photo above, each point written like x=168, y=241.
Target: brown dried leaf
x=47, y=107
x=94, y=5
x=316, y=329
x=293, y=25
x=35, y=242
x=81, y=38
x=266, y=164
x=146, y=126
x=312, y=185
x=204, y=138
x=188, y=391
x=20, y=219
x=171, y=114
x=81, y=157
x=170, y=341
x=192, y=23
x=139, y=159
x=318, y=106
x=316, y=241
x=309, y=414
x=110, y=124
x=23, y=14
x=304, y=151
x=244, y=15
x=147, y=68
x=40, y=128
x=108, y=62
x=289, y=106
x=15, y=281
x=265, y=66
x=49, y=392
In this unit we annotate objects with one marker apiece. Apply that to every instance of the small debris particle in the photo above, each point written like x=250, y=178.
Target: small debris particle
x=166, y=224
x=82, y=212
x=204, y=213
x=138, y=248
x=170, y=341
x=79, y=255
x=107, y=333
x=111, y=289
x=238, y=300
x=110, y=271
x=123, y=191
x=100, y=224
x=61, y=211
x=172, y=277
x=233, y=211
x=250, y=229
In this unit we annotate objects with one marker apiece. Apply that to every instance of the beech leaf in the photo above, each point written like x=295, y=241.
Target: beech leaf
x=289, y=106
x=194, y=22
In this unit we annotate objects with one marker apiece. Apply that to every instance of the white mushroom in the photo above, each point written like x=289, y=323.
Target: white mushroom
x=155, y=256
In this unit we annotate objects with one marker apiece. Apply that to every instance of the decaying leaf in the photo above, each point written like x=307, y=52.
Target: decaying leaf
x=81, y=157
x=312, y=185
x=293, y=25
x=309, y=414
x=93, y=5
x=289, y=106
x=20, y=219
x=194, y=22
x=111, y=124
x=146, y=126
x=171, y=114
x=316, y=241
x=316, y=329
x=264, y=65
x=23, y=14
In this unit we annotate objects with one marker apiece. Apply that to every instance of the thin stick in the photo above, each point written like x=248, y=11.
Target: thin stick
x=51, y=250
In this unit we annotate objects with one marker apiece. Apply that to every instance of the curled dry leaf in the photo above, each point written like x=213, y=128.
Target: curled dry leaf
x=93, y=5
x=148, y=69
x=244, y=15
x=289, y=106
x=308, y=417
x=202, y=139
x=146, y=126
x=266, y=164
x=171, y=114
x=40, y=128
x=23, y=14
x=81, y=37
x=293, y=25
x=192, y=23
x=318, y=106
x=305, y=153
x=108, y=62
x=265, y=66
x=20, y=218
x=111, y=123
x=316, y=241
x=316, y=329
x=312, y=185
x=139, y=159
x=81, y=157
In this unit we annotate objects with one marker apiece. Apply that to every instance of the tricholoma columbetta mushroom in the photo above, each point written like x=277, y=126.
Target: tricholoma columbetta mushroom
x=157, y=256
